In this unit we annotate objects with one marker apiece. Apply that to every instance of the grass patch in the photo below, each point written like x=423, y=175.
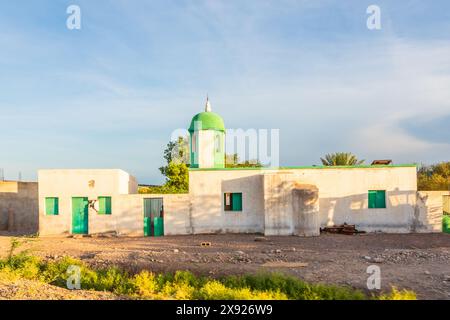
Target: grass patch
x=182, y=285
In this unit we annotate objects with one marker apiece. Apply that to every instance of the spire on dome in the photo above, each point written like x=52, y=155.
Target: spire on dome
x=208, y=105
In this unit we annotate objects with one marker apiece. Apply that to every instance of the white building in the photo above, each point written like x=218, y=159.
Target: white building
x=283, y=201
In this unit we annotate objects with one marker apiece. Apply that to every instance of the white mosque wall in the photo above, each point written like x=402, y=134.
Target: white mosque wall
x=267, y=201
x=343, y=198
x=207, y=189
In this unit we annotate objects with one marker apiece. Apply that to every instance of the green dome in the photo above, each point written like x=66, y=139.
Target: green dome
x=209, y=120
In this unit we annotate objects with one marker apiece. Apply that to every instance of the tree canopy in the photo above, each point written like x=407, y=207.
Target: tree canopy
x=341, y=159
x=176, y=169
x=434, y=177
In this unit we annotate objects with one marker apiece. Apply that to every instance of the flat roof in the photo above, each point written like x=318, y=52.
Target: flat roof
x=310, y=167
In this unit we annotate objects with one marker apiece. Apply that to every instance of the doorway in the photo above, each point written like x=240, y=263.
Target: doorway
x=153, y=217
x=80, y=215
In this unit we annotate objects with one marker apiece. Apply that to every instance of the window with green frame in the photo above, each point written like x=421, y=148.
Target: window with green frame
x=377, y=199
x=52, y=206
x=233, y=201
x=104, y=205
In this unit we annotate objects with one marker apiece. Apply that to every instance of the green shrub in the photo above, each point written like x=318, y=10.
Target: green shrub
x=146, y=284
x=215, y=290
x=398, y=295
x=446, y=223
x=293, y=288
x=183, y=284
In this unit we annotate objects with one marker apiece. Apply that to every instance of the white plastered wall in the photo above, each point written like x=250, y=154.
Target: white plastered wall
x=91, y=183
x=429, y=212
x=207, y=188
x=267, y=204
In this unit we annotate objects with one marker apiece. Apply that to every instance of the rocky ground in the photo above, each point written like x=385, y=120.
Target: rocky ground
x=420, y=262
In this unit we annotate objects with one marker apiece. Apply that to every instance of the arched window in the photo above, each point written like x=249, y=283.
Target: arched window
x=218, y=143
x=194, y=142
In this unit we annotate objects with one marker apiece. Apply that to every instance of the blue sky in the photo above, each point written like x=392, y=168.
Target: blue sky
x=110, y=95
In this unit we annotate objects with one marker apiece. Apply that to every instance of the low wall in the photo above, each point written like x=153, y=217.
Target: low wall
x=19, y=207
x=129, y=214
x=429, y=211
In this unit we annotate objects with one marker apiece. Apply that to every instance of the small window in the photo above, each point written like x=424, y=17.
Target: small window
x=233, y=201
x=377, y=199
x=104, y=205
x=52, y=206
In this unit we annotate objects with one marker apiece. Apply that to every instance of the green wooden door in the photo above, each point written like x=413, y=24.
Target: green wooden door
x=80, y=216
x=153, y=217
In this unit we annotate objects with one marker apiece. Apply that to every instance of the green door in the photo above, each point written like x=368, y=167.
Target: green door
x=80, y=215
x=153, y=217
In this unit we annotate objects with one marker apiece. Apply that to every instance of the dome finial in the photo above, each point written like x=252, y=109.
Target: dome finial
x=208, y=104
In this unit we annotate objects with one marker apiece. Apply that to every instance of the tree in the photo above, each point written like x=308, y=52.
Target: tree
x=177, y=152
x=177, y=177
x=341, y=159
x=434, y=177
x=176, y=170
x=232, y=161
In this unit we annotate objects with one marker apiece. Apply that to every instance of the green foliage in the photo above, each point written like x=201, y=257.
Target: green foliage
x=176, y=170
x=15, y=243
x=177, y=176
x=293, y=287
x=176, y=152
x=396, y=294
x=182, y=284
x=446, y=223
x=215, y=290
x=341, y=159
x=435, y=177
x=232, y=161
x=164, y=189
x=146, y=284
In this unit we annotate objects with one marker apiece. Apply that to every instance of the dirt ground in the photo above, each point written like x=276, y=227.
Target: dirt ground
x=420, y=262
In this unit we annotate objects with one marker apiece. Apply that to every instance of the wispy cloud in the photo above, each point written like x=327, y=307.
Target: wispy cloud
x=136, y=71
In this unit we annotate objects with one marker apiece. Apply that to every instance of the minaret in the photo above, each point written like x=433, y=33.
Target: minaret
x=207, y=139
x=208, y=105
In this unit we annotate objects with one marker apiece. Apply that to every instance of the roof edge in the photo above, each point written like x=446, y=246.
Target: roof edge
x=309, y=167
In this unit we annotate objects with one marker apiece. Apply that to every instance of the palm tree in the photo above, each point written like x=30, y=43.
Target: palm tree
x=341, y=159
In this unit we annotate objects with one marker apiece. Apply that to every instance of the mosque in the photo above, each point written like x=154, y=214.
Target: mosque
x=270, y=201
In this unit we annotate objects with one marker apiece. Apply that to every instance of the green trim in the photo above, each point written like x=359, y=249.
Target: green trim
x=235, y=202
x=377, y=199
x=52, y=206
x=104, y=205
x=309, y=167
x=80, y=215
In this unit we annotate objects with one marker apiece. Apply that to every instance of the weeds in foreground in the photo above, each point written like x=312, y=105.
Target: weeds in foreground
x=182, y=285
